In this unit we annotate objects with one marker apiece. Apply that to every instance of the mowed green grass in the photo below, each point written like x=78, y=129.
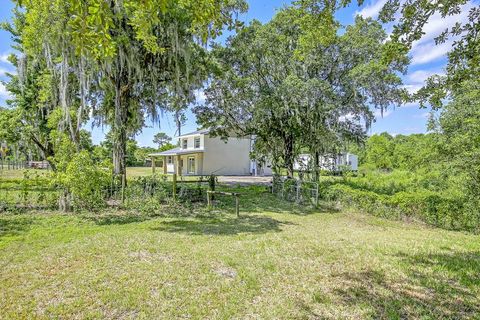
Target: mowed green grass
x=20, y=173
x=134, y=172
x=277, y=261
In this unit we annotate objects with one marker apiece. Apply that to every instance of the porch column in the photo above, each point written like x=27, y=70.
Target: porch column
x=179, y=168
x=199, y=163
x=153, y=165
x=165, y=165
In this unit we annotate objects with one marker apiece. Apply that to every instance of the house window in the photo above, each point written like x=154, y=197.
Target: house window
x=197, y=143
x=169, y=159
x=191, y=165
x=184, y=144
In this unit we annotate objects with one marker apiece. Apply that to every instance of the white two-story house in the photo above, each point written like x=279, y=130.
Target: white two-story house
x=200, y=154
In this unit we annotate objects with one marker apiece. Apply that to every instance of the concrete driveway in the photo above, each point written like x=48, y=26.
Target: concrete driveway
x=244, y=180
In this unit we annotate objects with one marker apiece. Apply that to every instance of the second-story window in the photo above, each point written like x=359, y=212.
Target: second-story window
x=197, y=143
x=184, y=144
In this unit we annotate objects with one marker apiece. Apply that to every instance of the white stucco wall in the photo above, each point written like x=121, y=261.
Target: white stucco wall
x=226, y=158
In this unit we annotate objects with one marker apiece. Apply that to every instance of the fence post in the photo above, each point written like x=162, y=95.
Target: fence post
x=174, y=187
x=237, y=209
x=209, y=200
x=316, y=194
x=298, y=186
x=211, y=184
x=124, y=178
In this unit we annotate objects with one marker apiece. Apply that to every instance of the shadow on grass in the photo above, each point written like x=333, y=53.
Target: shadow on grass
x=259, y=199
x=14, y=225
x=119, y=218
x=253, y=199
x=437, y=286
x=226, y=226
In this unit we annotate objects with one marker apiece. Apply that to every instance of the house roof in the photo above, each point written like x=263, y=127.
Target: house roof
x=176, y=151
x=202, y=131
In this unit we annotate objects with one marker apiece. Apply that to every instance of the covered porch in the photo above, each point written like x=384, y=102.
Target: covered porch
x=178, y=161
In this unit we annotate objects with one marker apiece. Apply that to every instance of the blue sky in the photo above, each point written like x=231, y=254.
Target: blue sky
x=427, y=59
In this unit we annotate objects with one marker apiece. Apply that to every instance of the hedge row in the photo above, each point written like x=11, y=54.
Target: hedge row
x=433, y=208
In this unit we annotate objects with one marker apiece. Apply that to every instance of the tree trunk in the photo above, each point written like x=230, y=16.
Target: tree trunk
x=316, y=164
x=46, y=150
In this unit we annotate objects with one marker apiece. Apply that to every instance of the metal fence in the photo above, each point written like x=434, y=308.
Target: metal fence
x=32, y=198
x=294, y=190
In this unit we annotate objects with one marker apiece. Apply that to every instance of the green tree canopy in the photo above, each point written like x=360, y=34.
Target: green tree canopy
x=124, y=59
x=161, y=138
x=293, y=89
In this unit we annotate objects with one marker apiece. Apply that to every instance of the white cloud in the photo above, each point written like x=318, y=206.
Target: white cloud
x=430, y=51
x=415, y=80
x=4, y=71
x=412, y=87
x=200, y=96
x=4, y=93
x=372, y=9
x=425, y=50
x=420, y=76
x=379, y=114
x=411, y=105
x=437, y=24
x=6, y=66
x=423, y=115
x=4, y=58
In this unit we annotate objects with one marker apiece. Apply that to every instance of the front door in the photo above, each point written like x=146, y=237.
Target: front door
x=191, y=165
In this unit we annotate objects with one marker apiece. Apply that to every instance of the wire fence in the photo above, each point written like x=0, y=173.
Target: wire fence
x=294, y=190
x=31, y=198
x=38, y=194
x=18, y=165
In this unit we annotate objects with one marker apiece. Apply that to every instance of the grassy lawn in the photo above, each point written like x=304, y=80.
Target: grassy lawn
x=20, y=173
x=276, y=261
x=133, y=172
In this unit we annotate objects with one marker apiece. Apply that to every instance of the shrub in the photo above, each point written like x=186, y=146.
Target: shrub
x=148, y=194
x=85, y=182
x=403, y=194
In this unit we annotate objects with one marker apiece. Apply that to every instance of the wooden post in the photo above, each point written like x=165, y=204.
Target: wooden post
x=237, y=208
x=174, y=190
x=298, y=186
x=153, y=165
x=209, y=200
x=165, y=165
x=124, y=183
x=179, y=168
